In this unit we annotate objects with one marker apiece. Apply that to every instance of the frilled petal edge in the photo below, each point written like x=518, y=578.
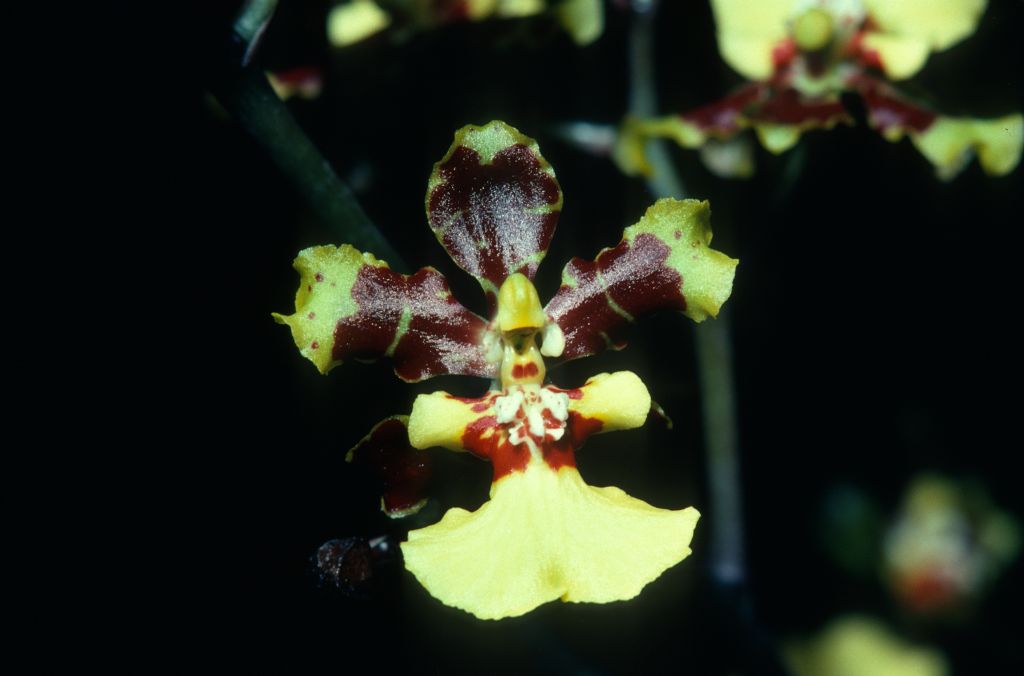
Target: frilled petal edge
x=547, y=535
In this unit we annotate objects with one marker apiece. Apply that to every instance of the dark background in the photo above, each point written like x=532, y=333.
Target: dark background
x=873, y=316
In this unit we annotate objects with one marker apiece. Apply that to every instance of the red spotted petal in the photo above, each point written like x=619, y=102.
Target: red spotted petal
x=493, y=203
x=403, y=471
x=664, y=262
x=352, y=306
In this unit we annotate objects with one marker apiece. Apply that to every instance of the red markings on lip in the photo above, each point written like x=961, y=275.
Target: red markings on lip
x=527, y=370
x=572, y=394
x=488, y=439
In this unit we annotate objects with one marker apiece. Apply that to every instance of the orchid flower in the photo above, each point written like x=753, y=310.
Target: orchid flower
x=855, y=645
x=354, y=20
x=947, y=546
x=802, y=55
x=493, y=203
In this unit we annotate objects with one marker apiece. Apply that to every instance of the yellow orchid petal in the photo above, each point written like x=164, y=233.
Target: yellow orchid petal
x=547, y=535
x=909, y=29
x=513, y=8
x=317, y=313
x=582, y=19
x=440, y=419
x=351, y=22
x=859, y=646
x=630, y=152
x=707, y=274
x=749, y=31
x=778, y=138
x=950, y=143
x=619, y=400
x=938, y=23
x=901, y=56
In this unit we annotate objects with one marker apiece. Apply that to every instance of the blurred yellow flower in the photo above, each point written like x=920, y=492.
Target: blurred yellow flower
x=860, y=646
x=802, y=55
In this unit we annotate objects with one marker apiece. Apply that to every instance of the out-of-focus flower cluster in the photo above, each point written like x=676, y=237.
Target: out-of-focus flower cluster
x=801, y=56
x=354, y=20
x=947, y=546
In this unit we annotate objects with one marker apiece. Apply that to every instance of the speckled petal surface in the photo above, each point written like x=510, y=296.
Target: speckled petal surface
x=493, y=203
x=664, y=262
x=352, y=306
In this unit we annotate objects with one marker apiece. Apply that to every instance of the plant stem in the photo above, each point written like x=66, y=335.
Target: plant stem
x=246, y=94
x=712, y=344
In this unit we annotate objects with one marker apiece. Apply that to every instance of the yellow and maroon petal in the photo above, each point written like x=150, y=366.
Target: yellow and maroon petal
x=493, y=203
x=781, y=116
x=664, y=262
x=352, y=306
x=889, y=113
x=442, y=419
x=547, y=535
x=908, y=30
x=749, y=32
x=618, y=401
x=949, y=143
x=306, y=82
x=403, y=470
x=778, y=115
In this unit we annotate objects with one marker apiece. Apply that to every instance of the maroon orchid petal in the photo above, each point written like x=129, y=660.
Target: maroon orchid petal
x=779, y=114
x=889, y=113
x=493, y=203
x=664, y=262
x=403, y=470
x=352, y=306
x=727, y=116
x=789, y=107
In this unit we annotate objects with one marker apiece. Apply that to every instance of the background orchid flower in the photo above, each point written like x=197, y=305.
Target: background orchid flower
x=947, y=546
x=354, y=20
x=856, y=645
x=493, y=202
x=802, y=55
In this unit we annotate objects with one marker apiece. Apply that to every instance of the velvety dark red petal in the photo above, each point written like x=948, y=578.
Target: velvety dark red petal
x=889, y=112
x=493, y=203
x=728, y=115
x=403, y=470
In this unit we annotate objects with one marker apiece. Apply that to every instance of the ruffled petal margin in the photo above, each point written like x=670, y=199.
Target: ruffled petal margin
x=547, y=535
